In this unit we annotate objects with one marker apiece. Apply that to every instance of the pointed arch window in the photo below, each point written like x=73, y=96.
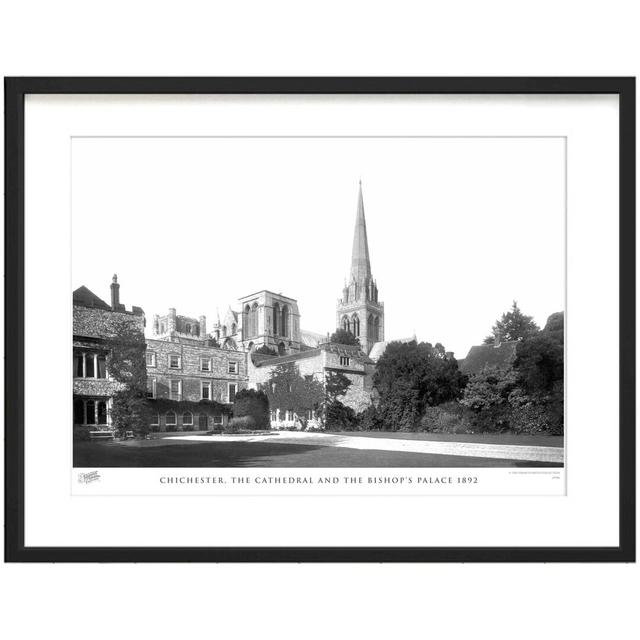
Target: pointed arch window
x=355, y=324
x=376, y=329
x=284, y=330
x=276, y=319
x=254, y=319
x=345, y=323
x=246, y=328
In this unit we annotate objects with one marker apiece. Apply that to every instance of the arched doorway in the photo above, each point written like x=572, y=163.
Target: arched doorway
x=282, y=349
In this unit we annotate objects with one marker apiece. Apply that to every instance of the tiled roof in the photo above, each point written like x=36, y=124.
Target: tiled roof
x=488, y=355
x=273, y=360
x=84, y=297
x=311, y=339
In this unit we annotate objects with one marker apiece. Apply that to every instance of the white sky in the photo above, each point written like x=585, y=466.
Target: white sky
x=458, y=227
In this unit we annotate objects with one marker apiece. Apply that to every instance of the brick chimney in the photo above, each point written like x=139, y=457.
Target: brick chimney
x=202, y=321
x=115, y=293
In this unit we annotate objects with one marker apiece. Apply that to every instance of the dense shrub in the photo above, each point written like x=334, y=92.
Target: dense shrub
x=253, y=404
x=369, y=419
x=445, y=418
x=244, y=423
x=410, y=377
x=339, y=417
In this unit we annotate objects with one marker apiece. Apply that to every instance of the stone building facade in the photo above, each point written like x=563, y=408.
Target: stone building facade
x=200, y=379
x=94, y=322
x=316, y=363
x=265, y=319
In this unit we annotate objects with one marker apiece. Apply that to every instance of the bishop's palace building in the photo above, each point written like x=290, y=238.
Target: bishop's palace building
x=186, y=362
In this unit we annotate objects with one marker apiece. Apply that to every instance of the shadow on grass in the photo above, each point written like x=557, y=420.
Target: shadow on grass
x=200, y=454
x=158, y=453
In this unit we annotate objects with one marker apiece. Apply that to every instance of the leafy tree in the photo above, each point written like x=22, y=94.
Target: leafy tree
x=513, y=325
x=529, y=396
x=287, y=390
x=130, y=409
x=411, y=376
x=540, y=363
x=252, y=404
x=342, y=336
x=369, y=419
x=486, y=397
x=336, y=385
x=555, y=325
x=339, y=417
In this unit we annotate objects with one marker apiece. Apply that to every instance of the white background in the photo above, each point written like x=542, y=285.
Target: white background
x=461, y=38
x=54, y=517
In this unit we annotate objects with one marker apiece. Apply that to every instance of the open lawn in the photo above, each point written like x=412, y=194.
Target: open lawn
x=486, y=438
x=281, y=450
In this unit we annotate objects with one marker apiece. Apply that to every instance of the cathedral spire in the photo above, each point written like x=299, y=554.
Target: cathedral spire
x=360, y=266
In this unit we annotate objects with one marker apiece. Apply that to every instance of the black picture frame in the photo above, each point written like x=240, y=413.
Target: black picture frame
x=15, y=91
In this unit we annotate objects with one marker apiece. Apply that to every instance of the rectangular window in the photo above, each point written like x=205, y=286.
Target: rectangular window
x=102, y=367
x=78, y=411
x=205, y=364
x=151, y=359
x=232, y=391
x=176, y=389
x=344, y=361
x=91, y=412
x=78, y=370
x=233, y=367
x=151, y=388
x=174, y=361
x=205, y=393
x=89, y=366
x=102, y=412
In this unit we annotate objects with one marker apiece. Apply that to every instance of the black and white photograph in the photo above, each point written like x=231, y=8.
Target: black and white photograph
x=335, y=302
x=318, y=301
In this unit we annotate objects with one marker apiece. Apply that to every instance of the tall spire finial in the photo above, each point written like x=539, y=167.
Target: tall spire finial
x=360, y=266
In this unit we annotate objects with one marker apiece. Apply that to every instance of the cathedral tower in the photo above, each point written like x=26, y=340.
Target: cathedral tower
x=358, y=310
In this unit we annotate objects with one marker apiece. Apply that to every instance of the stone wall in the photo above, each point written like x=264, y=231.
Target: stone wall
x=317, y=363
x=190, y=372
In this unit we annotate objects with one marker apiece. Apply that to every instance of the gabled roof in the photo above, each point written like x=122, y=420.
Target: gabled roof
x=488, y=355
x=311, y=338
x=84, y=297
